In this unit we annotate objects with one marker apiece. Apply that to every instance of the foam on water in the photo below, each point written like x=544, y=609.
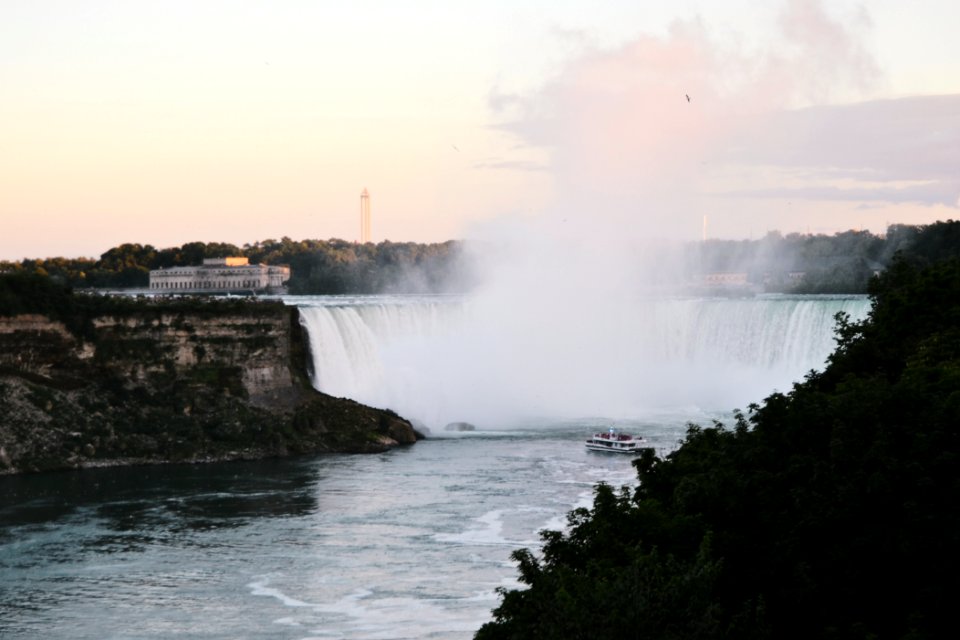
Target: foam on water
x=261, y=589
x=363, y=614
x=490, y=531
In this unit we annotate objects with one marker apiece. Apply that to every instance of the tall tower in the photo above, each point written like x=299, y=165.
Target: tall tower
x=365, y=216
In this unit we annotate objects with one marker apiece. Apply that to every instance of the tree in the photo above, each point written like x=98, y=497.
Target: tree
x=827, y=512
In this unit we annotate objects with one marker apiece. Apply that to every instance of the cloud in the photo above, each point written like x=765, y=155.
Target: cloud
x=916, y=138
x=927, y=194
x=623, y=138
x=514, y=165
x=895, y=151
x=821, y=54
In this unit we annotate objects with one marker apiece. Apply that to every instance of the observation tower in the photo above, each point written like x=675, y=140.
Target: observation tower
x=364, y=216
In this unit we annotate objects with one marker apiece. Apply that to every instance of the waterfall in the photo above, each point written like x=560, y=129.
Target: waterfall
x=348, y=340
x=446, y=360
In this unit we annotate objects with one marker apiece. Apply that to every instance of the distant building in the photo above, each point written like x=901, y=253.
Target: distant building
x=728, y=279
x=220, y=275
x=875, y=267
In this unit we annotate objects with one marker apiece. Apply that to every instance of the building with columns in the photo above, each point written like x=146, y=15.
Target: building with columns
x=220, y=275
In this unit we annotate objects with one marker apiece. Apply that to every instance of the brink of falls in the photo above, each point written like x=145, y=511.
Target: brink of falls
x=441, y=360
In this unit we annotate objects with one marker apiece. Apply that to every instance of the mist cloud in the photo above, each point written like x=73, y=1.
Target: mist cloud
x=561, y=320
x=627, y=146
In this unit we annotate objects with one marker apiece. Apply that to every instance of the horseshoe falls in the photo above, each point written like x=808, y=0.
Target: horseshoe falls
x=438, y=360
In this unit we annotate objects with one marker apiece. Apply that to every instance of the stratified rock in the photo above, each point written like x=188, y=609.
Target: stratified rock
x=172, y=381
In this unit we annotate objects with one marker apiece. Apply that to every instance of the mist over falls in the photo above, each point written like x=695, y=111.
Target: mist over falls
x=444, y=360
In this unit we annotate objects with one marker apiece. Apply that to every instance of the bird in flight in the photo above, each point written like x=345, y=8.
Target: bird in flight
x=688, y=96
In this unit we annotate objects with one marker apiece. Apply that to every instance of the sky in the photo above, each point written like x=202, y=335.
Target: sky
x=238, y=121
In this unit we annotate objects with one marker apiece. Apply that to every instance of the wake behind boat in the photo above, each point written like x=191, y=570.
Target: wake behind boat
x=615, y=441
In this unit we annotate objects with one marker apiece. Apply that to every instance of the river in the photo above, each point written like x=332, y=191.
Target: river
x=407, y=544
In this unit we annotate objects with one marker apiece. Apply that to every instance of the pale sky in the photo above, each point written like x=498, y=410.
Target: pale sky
x=239, y=120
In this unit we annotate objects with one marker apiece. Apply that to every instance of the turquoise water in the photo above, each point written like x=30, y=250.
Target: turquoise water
x=406, y=544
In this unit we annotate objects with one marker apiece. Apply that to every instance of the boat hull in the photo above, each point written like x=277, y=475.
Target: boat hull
x=616, y=445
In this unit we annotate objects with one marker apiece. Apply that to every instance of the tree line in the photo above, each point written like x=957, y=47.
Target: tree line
x=317, y=266
x=803, y=263
x=796, y=263
x=829, y=512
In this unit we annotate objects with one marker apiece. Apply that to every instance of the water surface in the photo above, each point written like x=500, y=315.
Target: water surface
x=407, y=544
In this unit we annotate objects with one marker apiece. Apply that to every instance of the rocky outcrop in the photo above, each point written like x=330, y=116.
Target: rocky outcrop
x=164, y=381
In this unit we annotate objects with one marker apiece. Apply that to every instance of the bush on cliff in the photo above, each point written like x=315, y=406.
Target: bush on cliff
x=828, y=512
x=22, y=293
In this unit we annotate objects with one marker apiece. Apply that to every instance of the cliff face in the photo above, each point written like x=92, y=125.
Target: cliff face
x=160, y=383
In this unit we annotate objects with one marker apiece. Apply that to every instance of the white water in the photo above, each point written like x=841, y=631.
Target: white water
x=440, y=360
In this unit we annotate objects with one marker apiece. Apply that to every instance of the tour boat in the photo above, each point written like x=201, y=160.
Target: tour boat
x=616, y=442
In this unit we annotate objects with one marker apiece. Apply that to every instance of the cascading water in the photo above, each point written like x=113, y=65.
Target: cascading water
x=444, y=360
x=350, y=337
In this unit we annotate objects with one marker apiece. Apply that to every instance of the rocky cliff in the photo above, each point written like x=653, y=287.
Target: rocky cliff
x=153, y=382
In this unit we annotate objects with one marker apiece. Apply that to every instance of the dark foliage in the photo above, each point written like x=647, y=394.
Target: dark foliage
x=317, y=266
x=22, y=292
x=841, y=263
x=828, y=512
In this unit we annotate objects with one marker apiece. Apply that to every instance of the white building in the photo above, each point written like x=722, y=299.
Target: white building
x=220, y=275
x=725, y=279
